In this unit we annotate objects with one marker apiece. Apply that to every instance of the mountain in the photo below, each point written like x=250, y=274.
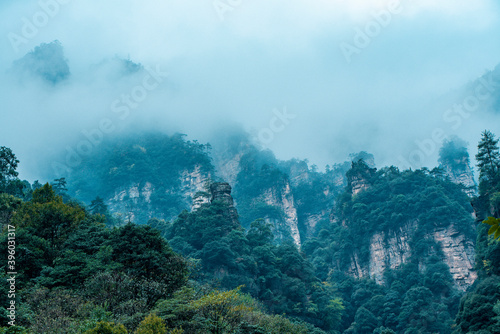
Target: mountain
x=350, y=227
x=158, y=176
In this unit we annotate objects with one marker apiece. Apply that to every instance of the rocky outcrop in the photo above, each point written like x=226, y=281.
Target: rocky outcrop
x=358, y=177
x=199, y=199
x=221, y=192
x=460, y=172
x=127, y=201
x=229, y=168
x=192, y=182
x=283, y=199
x=133, y=203
x=299, y=173
x=391, y=250
x=459, y=255
x=358, y=184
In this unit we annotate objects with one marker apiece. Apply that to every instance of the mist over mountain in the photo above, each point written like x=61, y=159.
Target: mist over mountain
x=382, y=99
x=235, y=166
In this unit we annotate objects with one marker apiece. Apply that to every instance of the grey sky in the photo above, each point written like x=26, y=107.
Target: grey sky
x=263, y=55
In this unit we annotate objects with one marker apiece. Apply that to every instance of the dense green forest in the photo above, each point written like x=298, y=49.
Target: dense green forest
x=82, y=269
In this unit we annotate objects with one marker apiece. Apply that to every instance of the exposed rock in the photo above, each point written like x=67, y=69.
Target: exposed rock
x=459, y=253
x=193, y=182
x=221, y=192
x=313, y=220
x=133, y=203
x=355, y=269
x=358, y=184
x=299, y=173
x=389, y=251
x=460, y=172
x=127, y=202
x=146, y=192
x=358, y=177
x=199, y=199
x=283, y=198
x=228, y=169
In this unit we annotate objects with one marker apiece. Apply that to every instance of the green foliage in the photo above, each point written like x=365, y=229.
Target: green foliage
x=138, y=160
x=152, y=324
x=278, y=275
x=416, y=202
x=8, y=166
x=14, y=330
x=478, y=309
x=9, y=183
x=454, y=153
x=151, y=256
x=48, y=217
x=214, y=311
x=107, y=328
x=8, y=206
x=494, y=229
x=488, y=157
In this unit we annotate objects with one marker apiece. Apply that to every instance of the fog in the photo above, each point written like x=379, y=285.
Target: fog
x=311, y=79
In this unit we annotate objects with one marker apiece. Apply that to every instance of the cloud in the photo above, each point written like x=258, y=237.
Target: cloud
x=263, y=56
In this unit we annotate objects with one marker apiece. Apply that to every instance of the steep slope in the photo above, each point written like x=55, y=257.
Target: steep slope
x=141, y=177
x=396, y=218
x=455, y=161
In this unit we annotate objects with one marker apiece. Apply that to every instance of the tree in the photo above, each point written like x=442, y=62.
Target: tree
x=488, y=156
x=59, y=185
x=365, y=321
x=453, y=151
x=8, y=205
x=151, y=257
x=223, y=310
x=97, y=206
x=260, y=233
x=8, y=165
x=107, y=328
x=8, y=174
x=48, y=217
x=152, y=324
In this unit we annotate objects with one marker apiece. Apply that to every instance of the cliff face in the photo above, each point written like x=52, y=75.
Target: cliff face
x=192, y=182
x=126, y=201
x=295, y=200
x=391, y=250
x=283, y=199
x=459, y=255
x=136, y=203
x=359, y=176
x=460, y=172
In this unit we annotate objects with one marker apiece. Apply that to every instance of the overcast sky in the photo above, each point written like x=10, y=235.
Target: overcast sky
x=351, y=75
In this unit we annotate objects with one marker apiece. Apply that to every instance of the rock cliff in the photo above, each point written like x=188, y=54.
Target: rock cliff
x=136, y=202
x=391, y=250
x=283, y=199
x=460, y=173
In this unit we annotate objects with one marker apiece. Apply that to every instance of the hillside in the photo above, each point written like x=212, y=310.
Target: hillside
x=350, y=228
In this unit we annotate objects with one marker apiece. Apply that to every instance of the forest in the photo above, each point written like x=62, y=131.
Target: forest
x=223, y=268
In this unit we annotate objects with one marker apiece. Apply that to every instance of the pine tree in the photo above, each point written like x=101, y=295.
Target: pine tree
x=8, y=166
x=59, y=185
x=97, y=206
x=488, y=157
